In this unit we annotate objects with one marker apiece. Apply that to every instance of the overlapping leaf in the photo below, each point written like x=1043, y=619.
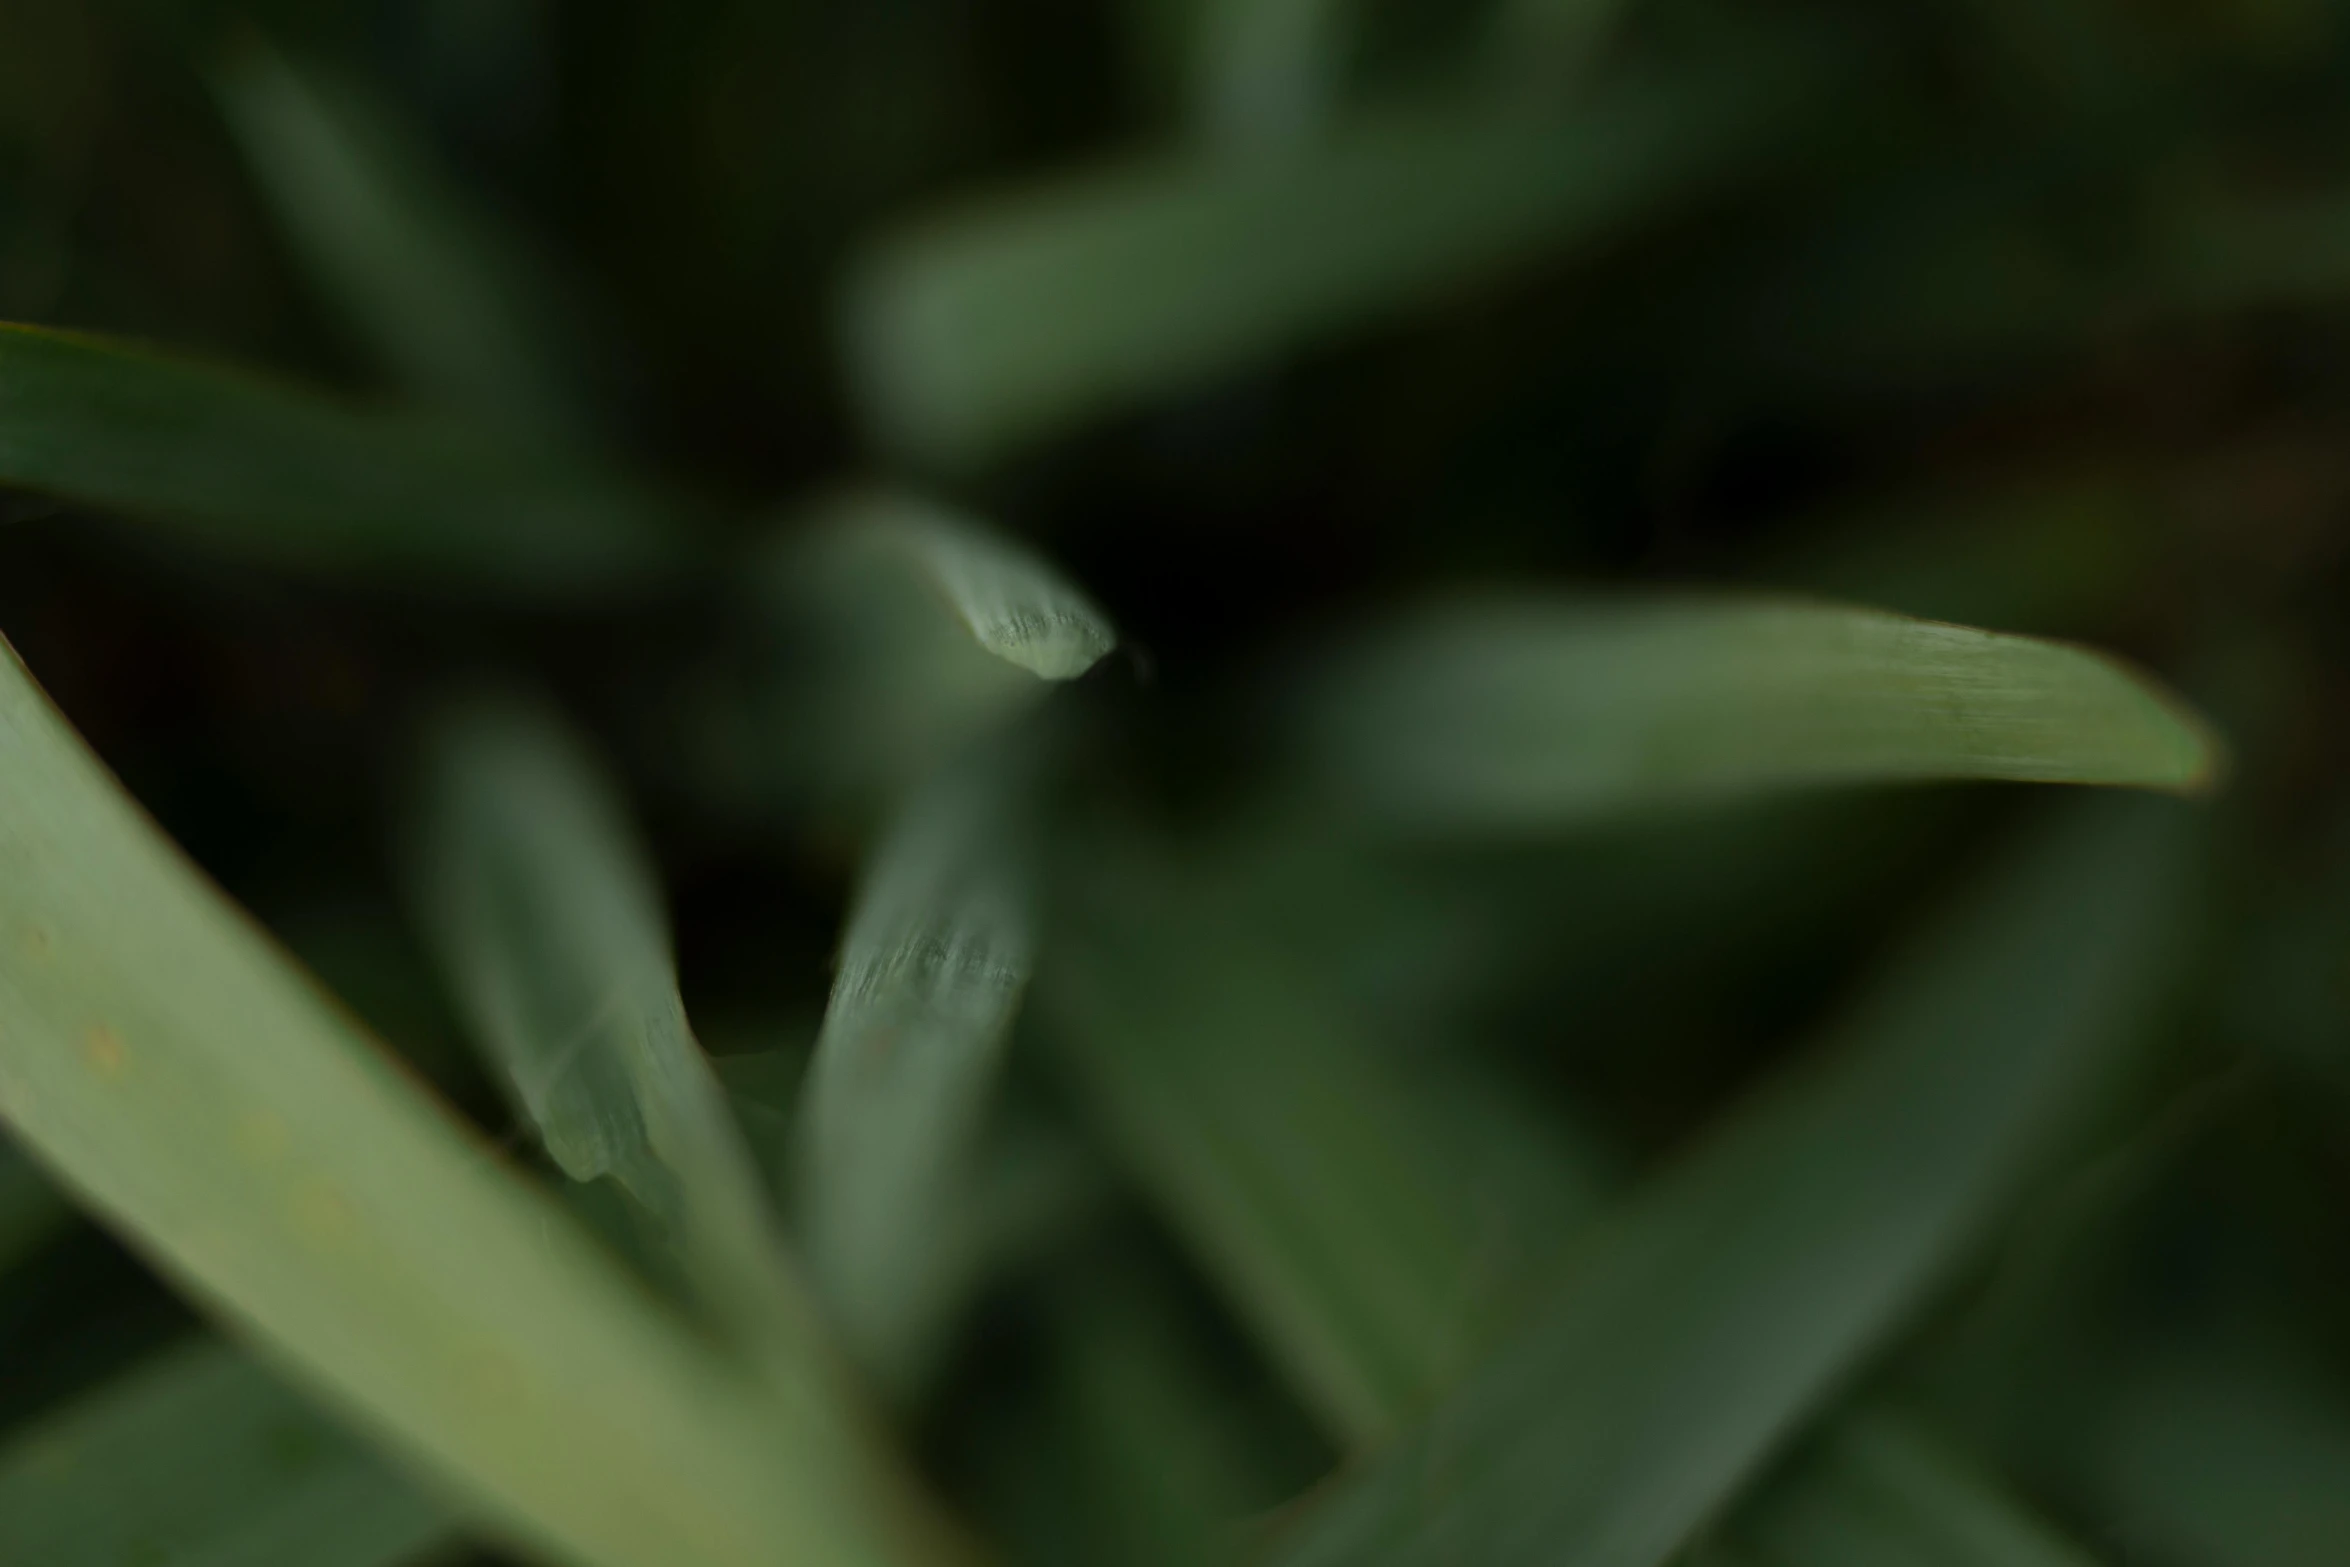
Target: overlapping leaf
x=1700, y=1326
x=198, y=1093
x=200, y=1457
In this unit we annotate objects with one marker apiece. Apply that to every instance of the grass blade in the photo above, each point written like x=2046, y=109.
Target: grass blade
x=1028, y=313
x=1014, y=604
x=439, y=296
x=931, y=973
x=252, y=468
x=546, y=916
x=191, y=1087
x=200, y=1457
x=893, y=635
x=1365, y=1213
x=1698, y=1329
x=1880, y=1492
x=1538, y=712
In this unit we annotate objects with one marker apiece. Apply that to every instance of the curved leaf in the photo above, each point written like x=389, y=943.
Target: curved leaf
x=190, y=1086
x=1532, y=712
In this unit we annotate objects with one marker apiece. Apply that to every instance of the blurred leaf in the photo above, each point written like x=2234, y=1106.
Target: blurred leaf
x=30, y=1209
x=253, y=468
x=932, y=969
x=1268, y=72
x=1367, y=1213
x=892, y=635
x=2229, y=1460
x=195, y=1090
x=1524, y=713
x=1014, y=604
x=1027, y=313
x=545, y=914
x=199, y=1458
x=440, y=296
x=1698, y=1329
x=1879, y=1492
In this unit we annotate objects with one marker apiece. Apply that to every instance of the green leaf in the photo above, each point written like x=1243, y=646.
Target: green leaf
x=545, y=914
x=1368, y=1214
x=892, y=635
x=1011, y=600
x=1533, y=712
x=256, y=469
x=1696, y=1331
x=195, y=1091
x=1268, y=72
x=440, y=296
x=1880, y=1492
x=932, y=969
x=1026, y=313
x=198, y=1458
x=2239, y=1458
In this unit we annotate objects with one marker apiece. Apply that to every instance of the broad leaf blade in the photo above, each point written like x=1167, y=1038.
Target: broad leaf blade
x=250, y=467
x=200, y=1457
x=195, y=1090
x=546, y=916
x=931, y=973
x=439, y=296
x=1534, y=712
x=1699, y=1328
x=1023, y=315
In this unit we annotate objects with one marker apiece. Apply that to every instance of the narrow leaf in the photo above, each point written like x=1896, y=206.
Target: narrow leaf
x=1528, y=713
x=1014, y=604
x=198, y=1093
x=257, y=469
x=931, y=972
x=438, y=294
x=199, y=1458
x=1699, y=1329
x=1881, y=1492
x=546, y=916
x=1027, y=313
x=1368, y=1215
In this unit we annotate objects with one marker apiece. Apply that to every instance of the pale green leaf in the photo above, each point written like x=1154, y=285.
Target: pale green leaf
x=932, y=970
x=1533, y=712
x=1696, y=1331
x=1025, y=313
x=439, y=295
x=199, y=1094
x=545, y=914
x=1013, y=603
x=255, y=468
x=200, y=1458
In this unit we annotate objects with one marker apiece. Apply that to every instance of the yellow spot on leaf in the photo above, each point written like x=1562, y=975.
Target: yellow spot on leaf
x=36, y=943
x=103, y=1048
x=321, y=1213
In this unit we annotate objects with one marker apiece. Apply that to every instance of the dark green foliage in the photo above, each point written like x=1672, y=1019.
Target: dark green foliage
x=1174, y=782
